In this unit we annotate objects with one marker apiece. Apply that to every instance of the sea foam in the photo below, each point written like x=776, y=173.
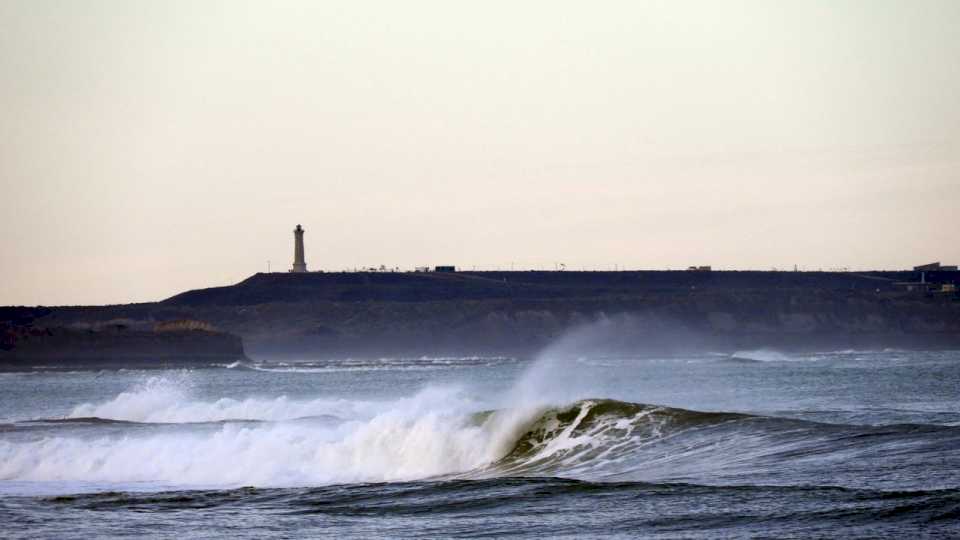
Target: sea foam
x=433, y=432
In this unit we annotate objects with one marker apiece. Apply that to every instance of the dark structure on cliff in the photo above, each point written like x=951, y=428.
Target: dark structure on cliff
x=299, y=262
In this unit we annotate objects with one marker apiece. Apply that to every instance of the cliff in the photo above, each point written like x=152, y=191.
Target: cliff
x=24, y=341
x=323, y=314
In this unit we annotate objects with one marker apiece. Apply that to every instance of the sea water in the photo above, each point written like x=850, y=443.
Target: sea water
x=752, y=444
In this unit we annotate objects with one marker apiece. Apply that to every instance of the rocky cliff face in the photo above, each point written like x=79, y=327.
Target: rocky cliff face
x=117, y=343
x=522, y=312
x=657, y=323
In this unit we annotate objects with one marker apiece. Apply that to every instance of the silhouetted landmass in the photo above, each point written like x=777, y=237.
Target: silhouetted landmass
x=430, y=286
x=27, y=342
x=485, y=313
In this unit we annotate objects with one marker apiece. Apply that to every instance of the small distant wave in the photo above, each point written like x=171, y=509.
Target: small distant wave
x=91, y=425
x=337, y=369
x=167, y=400
x=77, y=420
x=424, y=363
x=761, y=355
x=773, y=356
x=233, y=365
x=97, y=421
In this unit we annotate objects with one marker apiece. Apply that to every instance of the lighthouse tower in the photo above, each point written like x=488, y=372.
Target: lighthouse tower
x=299, y=264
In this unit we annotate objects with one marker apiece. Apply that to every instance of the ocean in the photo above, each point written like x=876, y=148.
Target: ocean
x=757, y=444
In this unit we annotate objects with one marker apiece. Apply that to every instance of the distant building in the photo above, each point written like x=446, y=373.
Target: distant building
x=447, y=269
x=917, y=286
x=934, y=266
x=299, y=263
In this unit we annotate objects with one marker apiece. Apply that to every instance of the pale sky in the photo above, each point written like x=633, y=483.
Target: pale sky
x=150, y=147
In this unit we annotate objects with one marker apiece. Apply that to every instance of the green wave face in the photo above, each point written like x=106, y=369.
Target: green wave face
x=609, y=440
x=597, y=433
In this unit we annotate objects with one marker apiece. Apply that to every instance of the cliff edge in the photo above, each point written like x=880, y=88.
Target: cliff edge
x=27, y=342
x=518, y=313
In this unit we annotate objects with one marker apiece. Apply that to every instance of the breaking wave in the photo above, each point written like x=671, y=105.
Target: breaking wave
x=204, y=443
x=439, y=433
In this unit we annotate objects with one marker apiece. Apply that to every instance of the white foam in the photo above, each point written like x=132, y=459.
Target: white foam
x=431, y=433
x=167, y=400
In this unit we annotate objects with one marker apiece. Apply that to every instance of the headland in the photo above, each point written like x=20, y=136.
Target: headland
x=327, y=314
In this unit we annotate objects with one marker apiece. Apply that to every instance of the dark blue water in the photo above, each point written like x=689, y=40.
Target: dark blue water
x=860, y=444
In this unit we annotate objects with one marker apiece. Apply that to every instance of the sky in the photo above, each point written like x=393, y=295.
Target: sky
x=151, y=147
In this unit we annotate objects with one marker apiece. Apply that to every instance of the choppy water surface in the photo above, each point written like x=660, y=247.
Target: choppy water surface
x=760, y=443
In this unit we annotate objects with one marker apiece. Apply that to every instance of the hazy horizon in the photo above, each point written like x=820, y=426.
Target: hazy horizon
x=154, y=147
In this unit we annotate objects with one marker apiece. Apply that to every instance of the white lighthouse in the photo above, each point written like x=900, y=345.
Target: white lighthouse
x=299, y=263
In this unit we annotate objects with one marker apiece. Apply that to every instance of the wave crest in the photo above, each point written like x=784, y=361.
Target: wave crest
x=436, y=433
x=597, y=433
